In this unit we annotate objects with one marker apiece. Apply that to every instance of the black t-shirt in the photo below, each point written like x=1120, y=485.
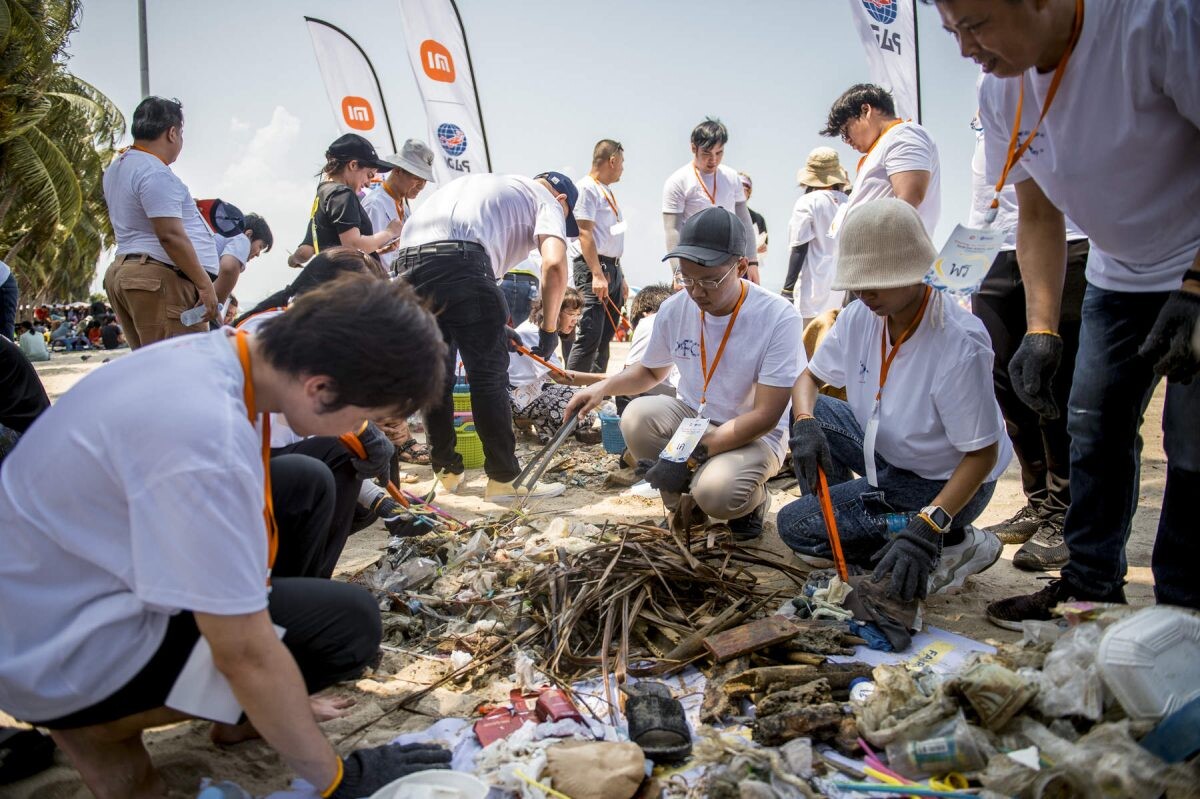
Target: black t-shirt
x=22, y=398
x=338, y=210
x=109, y=335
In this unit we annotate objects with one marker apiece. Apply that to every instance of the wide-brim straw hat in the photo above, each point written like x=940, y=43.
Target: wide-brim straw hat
x=882, y=244
x=822, y=170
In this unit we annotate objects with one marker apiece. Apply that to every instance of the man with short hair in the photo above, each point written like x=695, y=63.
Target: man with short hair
x=390, y=199
x=453, y=250
x=899, y=157
x=237, y=251
x=738, y=349
x=165, y=251
x=109, y=602
x=1115, y=149
x=598, y=274
x=704, y=182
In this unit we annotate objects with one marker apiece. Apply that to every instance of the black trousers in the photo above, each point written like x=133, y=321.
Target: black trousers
x=457, y=280
x=1042, y=446
x=321, y=551
x=597, y=326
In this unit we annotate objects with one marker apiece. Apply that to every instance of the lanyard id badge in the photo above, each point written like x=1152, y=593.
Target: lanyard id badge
x=869, y=434
x=617, y=228
x=686, y=439
x=965, y=259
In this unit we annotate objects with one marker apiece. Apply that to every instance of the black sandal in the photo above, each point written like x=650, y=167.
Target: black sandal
x=413, y=451
x=657, y=723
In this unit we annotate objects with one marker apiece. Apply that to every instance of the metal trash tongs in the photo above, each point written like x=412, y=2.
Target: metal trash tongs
x=540, y=462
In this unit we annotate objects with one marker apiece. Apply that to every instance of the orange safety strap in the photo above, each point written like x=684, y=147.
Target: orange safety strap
x=885, y=361
x=243, y=346
x=704, y=370
x=835, y=540
x=877, y=138
x=1015, y=152
x=712, y=196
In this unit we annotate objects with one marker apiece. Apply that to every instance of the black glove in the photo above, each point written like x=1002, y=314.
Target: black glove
x=514, y=339
x=673, y=477
x=397, y=520
x=547, y=344
x=810, y=449
x=910, y=557
x=379, y=454
x=1032, y=371
x=368, y=770
x=1169, y=345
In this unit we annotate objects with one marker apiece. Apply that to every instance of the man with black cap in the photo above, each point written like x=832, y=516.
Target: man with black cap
x=738, y=350
x=454, y=248
x=413, y=168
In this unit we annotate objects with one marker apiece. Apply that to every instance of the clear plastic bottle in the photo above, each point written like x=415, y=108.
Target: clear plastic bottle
x=193, y=316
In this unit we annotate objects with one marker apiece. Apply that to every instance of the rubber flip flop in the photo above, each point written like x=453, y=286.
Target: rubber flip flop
x=657, y=723
x=23, y=753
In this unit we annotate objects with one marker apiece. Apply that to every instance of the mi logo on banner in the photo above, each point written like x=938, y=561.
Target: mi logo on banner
x=437, y=61
x=357, y=113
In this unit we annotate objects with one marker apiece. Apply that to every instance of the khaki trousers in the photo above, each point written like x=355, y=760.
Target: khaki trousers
x=727, y=486
x=147, y=297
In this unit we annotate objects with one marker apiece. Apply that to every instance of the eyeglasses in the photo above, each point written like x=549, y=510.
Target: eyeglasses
x=845, y=130
x=707, y=285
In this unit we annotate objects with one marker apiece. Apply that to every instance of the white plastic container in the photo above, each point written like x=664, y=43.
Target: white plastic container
x=434, y=784
x=1151, y=661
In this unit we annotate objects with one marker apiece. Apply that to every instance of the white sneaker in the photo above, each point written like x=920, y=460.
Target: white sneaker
x=497, y=491
x=449, y=481
x=977, y=552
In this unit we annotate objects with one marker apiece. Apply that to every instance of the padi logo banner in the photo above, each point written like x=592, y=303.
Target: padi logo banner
x=886, y=29
x=453, y=141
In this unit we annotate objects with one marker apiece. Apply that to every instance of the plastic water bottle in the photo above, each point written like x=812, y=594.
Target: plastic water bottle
x=894, y=523
x=860, y=689
x=193, y=316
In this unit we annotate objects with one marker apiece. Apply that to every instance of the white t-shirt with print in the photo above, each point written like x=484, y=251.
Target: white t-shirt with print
x=938, y=402
x=381, y=210
x=811, y=217
x=906, y=147
x=139, y=187
x=87, y=586
x=765, y=346
x=639, y=343
x=593, y=206
x=683, y=194
x=1119, y=151
x=504, y=214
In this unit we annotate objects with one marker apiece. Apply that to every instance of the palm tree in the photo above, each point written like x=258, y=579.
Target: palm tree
x=57, y=134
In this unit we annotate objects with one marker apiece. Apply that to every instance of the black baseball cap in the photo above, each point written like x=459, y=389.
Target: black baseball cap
x=564, y=185
x=711, y=238
x=352, y=147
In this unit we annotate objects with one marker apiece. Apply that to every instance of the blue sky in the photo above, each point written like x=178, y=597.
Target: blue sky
x=553, y=78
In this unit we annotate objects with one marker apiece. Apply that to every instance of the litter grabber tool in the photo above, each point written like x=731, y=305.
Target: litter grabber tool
x=835, y=541
x=540, y=462
x=351, y=442
x=554, y=370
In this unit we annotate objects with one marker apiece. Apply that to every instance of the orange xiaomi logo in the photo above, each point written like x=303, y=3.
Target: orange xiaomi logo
x=437, y=61
x=357, y=113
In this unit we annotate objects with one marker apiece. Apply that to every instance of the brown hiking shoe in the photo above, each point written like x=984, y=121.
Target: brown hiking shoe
x=1018, y=528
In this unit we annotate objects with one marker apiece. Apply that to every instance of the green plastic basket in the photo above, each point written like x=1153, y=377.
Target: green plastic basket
x=462, y=398
x=469, y=446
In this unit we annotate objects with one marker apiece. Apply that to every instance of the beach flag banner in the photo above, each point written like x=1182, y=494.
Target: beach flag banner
x=888, y=30
x=441, y=63
x=352, y=85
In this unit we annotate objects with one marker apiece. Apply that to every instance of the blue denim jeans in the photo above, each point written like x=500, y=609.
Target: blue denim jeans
x=857, y=505
x=1109, y=395
x=519, y=291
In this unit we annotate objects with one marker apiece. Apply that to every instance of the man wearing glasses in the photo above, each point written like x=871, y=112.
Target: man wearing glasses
x=899, y=157
x=738, y=350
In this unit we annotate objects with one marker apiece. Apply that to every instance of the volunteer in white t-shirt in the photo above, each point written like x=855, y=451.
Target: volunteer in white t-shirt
x=920, y=421
x=738, y=350
x=812, y=249
x=1116, y=149
x=104, y=598
x=165, y=251
x=899, y=157
x=390, y=199
x=453, y=250
x=235, y=252
x=597, y=267
x=704, y=182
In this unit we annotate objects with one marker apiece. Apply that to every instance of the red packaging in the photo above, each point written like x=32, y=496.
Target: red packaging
x=554, y=705
x=503, y=721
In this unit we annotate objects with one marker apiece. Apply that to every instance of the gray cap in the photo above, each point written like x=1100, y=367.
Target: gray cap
x=414, y=157
x=711, y=238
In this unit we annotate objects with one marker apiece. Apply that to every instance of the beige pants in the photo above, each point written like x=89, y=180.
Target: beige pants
x=147, y=298
x=727, y=486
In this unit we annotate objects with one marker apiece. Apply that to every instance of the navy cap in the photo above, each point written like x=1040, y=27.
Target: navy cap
x=564, y=185
x=711, y=238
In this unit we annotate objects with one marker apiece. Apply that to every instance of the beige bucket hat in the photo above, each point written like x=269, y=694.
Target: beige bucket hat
x=822, y=169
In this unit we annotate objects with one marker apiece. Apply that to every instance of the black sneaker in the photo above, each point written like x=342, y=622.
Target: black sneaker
x=750, y=526
x=1018, y=528
x=1009, y=613
x=1046, y=551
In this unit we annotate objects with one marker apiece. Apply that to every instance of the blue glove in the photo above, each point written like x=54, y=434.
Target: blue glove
x=910, y=557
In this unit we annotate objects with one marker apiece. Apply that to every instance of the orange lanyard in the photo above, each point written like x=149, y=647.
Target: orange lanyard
x=260, y=313
x=885, y=362
x=1015, y=152
x=248, y=394
x=612, y=201
x=704, y=370
x=399, y=208
x=142, y=149
x=877, y=138
x=712, y=196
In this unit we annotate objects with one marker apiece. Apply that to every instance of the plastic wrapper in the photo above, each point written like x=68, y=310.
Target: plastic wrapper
x=899, y=710
x=956, y=746
x=1069, y=683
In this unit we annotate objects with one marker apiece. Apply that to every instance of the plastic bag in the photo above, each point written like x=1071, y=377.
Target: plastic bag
x=1069, y=683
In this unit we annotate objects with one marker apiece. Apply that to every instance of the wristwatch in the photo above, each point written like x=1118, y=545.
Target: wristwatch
x=938, y=518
